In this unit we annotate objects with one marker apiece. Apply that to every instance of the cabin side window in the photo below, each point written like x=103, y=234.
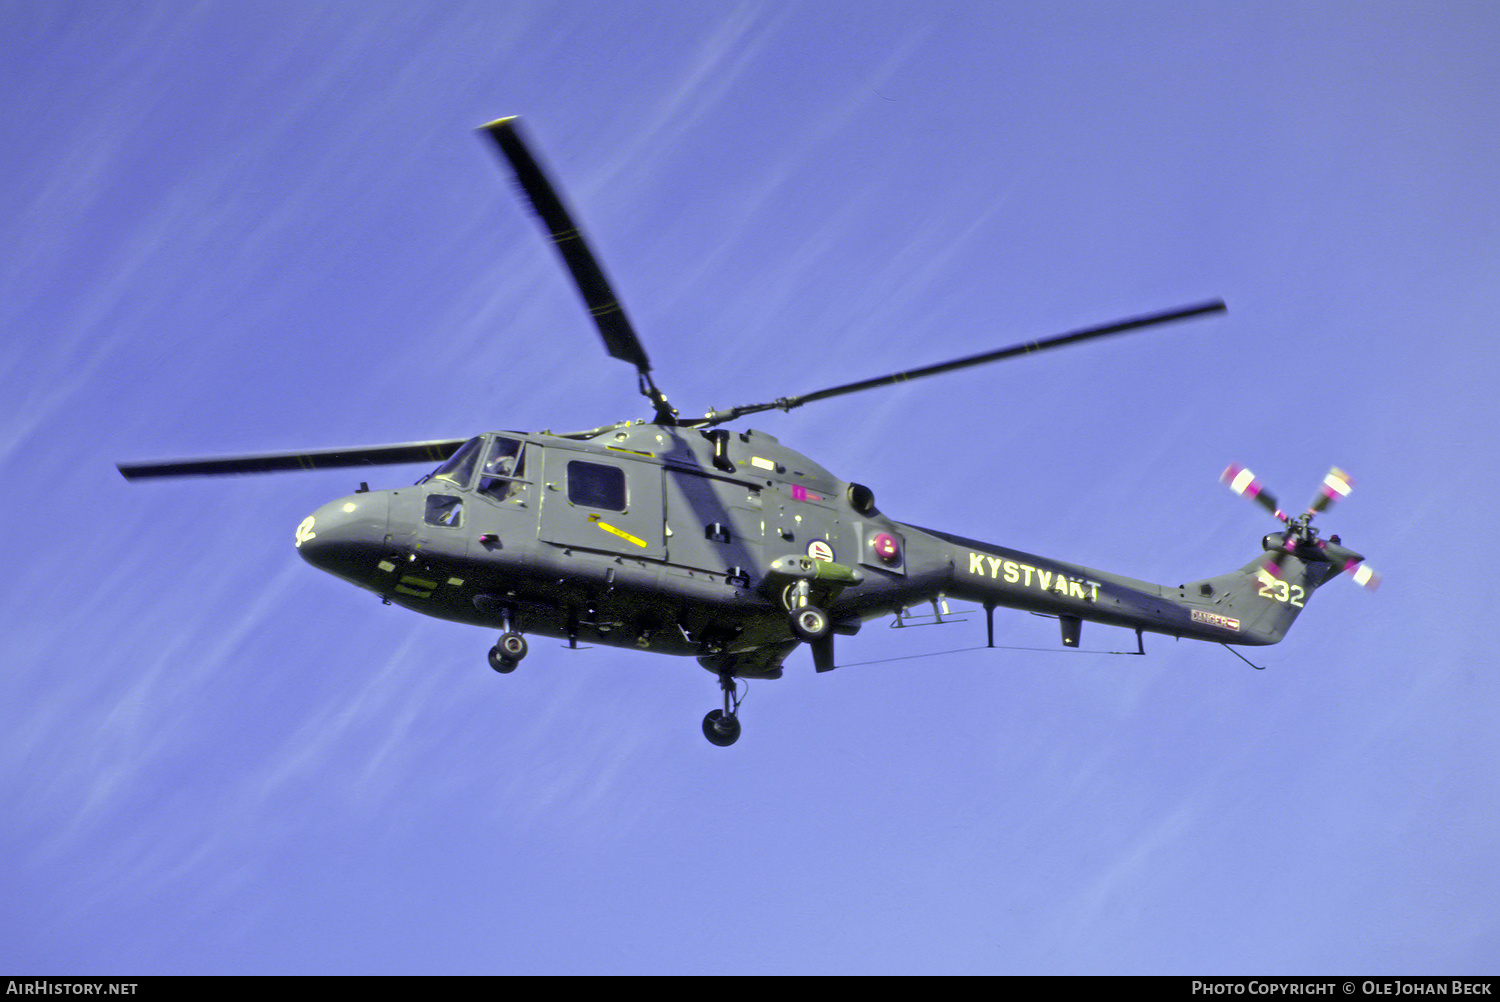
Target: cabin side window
x=594, y=485
x=444, y=509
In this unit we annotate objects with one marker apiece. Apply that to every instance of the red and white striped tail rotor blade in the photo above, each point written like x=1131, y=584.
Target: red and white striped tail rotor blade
x=1336, y=486
x=1245, y=484
x=1363, y=575
x=1351, y=563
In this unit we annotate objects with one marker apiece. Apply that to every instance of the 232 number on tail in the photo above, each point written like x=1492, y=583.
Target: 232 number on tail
x=1280, y=591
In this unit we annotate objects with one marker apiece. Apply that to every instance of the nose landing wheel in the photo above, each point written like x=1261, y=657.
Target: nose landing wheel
x=721, y=730
x=722, y=727
x=508, y=652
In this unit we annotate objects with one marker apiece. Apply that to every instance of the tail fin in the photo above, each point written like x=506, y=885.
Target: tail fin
x=1260, y=601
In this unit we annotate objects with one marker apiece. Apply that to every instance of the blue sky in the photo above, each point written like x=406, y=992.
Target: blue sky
x=248, y=227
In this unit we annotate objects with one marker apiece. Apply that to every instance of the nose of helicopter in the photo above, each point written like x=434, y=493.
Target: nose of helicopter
x=346, y=537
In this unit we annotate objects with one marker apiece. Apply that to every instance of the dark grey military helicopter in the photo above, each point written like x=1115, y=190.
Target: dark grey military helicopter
x=676, y=536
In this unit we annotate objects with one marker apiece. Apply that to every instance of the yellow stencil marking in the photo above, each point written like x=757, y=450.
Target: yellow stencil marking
x=618, y=532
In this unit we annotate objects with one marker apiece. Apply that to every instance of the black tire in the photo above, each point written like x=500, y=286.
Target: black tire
x=721, y=730
x=500, y=662
x=810, y=623
x=512, y=646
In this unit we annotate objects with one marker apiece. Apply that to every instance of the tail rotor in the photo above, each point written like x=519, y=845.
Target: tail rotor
x=1300, y=539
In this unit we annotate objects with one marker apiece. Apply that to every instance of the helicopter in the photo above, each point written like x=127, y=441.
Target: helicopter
x=677, y=536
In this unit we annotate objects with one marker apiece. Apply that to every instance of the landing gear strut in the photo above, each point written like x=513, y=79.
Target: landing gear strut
x=722, y=727
x=509, y=649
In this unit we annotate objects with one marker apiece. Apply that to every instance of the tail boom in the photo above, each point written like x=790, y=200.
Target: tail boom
x=1250, y=606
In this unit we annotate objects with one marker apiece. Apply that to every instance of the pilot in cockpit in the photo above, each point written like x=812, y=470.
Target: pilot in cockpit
x=499, y=477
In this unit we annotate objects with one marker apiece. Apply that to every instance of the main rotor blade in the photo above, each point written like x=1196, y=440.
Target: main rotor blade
x=619, y=336
x=1086, y=334
x=319, y=459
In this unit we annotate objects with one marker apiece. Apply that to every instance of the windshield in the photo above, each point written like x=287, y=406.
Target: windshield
x=460, y=466
x=504, y=468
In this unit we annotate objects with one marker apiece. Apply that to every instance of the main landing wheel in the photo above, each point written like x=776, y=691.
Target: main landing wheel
x=508, y=652
x=810, y=623
x=720, y=728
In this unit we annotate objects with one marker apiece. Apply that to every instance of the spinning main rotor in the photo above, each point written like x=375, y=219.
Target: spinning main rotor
x=620, y=341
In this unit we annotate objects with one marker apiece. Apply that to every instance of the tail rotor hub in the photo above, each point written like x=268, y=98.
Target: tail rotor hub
x=1300, y=539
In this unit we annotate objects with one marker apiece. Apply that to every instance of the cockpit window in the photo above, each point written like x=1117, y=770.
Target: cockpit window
x=460, y=466
x=504, y=468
